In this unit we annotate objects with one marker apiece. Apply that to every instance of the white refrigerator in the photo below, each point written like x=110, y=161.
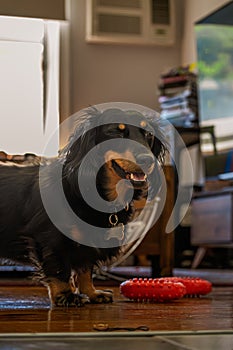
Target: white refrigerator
x=29, y=85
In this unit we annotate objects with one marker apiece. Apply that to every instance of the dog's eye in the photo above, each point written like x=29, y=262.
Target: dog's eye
x=121, y=127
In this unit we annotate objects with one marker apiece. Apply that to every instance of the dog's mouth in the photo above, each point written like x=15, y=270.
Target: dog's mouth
x=136, y=177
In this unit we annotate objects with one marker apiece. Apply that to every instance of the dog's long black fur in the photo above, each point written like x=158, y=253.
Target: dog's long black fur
x=28, y=235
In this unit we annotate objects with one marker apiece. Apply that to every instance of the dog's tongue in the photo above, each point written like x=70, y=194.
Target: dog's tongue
x=137, y=176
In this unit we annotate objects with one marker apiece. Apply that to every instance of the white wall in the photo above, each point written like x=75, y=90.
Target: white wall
x=104, y=73
x=195, y=10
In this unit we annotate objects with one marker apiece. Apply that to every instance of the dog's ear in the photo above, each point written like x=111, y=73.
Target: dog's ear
x=159, y=149
x=155, y=181
x=79, y=147
x=160, y=145
x=73, y=159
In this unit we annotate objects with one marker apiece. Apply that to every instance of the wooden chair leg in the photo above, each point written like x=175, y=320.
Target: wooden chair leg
x=201, y=251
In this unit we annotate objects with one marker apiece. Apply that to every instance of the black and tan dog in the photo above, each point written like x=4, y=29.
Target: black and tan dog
x=28, y=235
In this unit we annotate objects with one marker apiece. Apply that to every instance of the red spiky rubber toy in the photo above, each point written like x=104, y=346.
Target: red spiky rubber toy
x=152, y=290
x=164, y=289
x=194, y=286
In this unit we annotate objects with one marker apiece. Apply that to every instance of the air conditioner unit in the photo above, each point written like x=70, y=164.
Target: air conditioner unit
x=131, y=21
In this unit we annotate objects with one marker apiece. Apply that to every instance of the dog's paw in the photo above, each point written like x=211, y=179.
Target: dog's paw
x=101, y=296
x=69, y=299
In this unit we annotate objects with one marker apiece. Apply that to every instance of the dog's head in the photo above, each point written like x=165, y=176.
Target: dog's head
x=128, y=146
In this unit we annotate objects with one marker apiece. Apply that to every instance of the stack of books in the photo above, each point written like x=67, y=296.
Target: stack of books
x=178, y=97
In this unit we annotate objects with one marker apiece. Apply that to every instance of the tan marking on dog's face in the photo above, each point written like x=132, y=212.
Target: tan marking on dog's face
x=127, y=162
x=121, y=126
x=140, y=203
x=112, y=179
x=143, y=124
x=111, y=155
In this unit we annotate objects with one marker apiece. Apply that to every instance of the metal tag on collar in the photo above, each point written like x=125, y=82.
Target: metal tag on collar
x=117, y=232
x=113, y=219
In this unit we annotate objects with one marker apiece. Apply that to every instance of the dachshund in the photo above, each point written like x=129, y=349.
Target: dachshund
x=30, y=236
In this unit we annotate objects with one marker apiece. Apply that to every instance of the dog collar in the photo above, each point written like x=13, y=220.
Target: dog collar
x=117, y=229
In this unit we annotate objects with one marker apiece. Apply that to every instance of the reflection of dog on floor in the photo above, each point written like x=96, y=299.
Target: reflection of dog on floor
x=28, y=235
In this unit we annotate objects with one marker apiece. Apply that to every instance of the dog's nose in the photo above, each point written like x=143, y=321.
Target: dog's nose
x=146, y=161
